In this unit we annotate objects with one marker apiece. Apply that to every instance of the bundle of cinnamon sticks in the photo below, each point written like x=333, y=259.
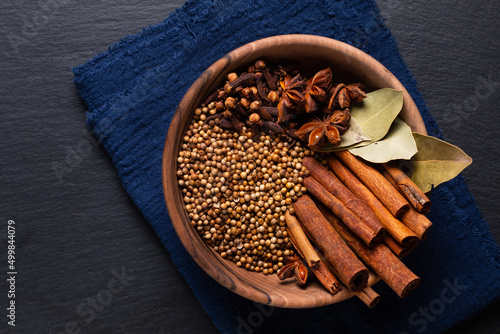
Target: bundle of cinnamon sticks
x=358, y=219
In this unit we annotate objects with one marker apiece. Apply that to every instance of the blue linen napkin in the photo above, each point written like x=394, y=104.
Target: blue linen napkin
x=132, y=91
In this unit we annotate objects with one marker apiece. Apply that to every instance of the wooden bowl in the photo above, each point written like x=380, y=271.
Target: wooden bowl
x=311, y=53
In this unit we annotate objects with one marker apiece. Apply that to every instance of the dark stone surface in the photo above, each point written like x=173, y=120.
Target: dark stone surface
x=77, y=229
x=451, y=48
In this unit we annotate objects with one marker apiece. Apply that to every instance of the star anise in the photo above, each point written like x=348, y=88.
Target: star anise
x=340, y=119
x=317, y=89
x=292, y=96
x=343, y=95
x=318, y=133
x=293, y=268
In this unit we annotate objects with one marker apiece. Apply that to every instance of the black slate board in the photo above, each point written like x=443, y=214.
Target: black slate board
x=55, y=179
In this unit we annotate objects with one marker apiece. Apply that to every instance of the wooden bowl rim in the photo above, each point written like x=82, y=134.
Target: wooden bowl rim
x=221, y=270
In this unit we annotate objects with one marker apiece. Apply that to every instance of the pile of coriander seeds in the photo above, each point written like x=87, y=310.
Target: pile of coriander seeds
x=236, y=189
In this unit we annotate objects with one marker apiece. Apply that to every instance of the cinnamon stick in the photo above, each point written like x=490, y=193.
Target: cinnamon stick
x=339, y=190
x=399, y=250
x=418, y=223
x=390, y=269
x=363, y=231
x=299, y=238
x=377, y=183
x=306, y=250
x=326, y=278
x=414, y=220
x=408, y=188
x=369, y=297
x=349, y=268
x=394, y=227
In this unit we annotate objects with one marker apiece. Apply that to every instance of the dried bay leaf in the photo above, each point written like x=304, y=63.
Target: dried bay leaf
x=377, y=111
x=397, y=144
x=436, y=162
x=352, y=137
